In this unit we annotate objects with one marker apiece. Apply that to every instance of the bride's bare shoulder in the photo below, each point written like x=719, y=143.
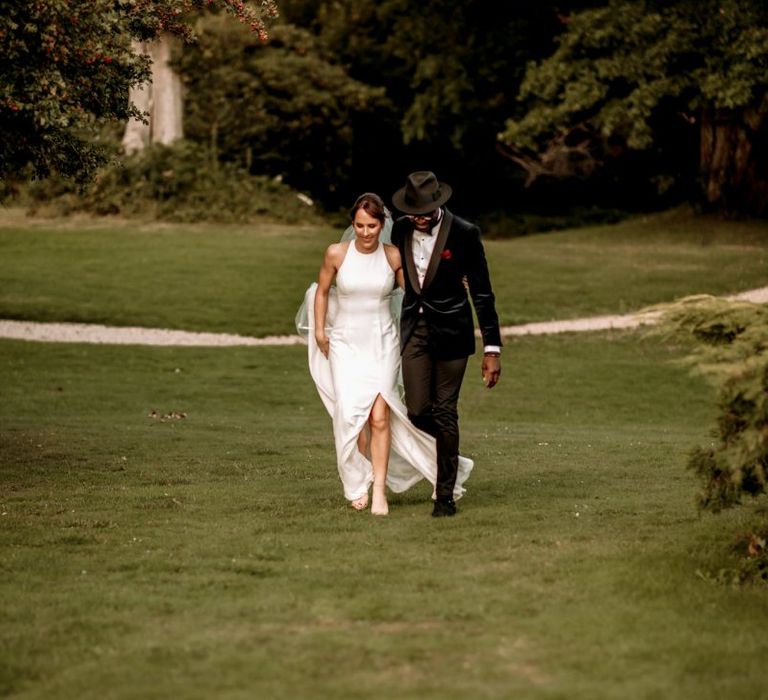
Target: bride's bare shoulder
x=336, y=251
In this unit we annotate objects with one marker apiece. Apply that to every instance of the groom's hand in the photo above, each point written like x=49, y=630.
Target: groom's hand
x=491, y=369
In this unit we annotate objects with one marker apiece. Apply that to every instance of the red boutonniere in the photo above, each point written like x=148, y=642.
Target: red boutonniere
x=446, y=254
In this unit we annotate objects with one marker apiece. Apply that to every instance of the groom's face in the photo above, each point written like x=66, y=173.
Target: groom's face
x=425, y=222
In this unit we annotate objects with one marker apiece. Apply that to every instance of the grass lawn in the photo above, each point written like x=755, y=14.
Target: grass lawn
x=214, y=555
x=250, y=280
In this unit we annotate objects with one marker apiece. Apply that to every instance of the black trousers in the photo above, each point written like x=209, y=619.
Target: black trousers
x=431, y=394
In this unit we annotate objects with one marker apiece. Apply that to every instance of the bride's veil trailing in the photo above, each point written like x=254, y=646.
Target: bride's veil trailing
x=303, y=322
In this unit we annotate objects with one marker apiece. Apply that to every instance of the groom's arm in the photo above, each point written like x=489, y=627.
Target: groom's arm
x=480, y=289
x=479, y=283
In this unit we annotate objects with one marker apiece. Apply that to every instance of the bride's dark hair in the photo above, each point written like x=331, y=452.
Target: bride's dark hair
x=372, y=204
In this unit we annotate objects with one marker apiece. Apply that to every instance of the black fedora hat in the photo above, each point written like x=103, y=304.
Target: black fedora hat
x=422, y=193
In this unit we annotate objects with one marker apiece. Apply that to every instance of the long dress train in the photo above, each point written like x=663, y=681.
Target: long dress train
x=364, y=362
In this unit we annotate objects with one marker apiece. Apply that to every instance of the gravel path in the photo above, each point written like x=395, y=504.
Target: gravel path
x=130, y=335
x=93, y=333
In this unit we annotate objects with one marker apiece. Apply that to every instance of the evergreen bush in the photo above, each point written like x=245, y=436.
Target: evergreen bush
x=729, y=341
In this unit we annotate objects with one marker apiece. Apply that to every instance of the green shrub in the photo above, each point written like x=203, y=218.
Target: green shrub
x=173, y=183
x=729, y=342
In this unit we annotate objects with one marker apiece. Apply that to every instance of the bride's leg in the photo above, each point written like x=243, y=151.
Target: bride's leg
x=364, y=441
x=381, y=438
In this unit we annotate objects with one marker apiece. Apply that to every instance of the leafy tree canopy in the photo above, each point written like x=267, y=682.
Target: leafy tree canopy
x=67, y=67
x=280, y=108
x=450, y=70
x=623, y=69
x=616, y=64
x=439, y=59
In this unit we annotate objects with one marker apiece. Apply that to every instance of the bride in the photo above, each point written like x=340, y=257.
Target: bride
x=354, y=360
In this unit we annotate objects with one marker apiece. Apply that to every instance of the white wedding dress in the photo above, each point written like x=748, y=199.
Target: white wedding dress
x=364, y=361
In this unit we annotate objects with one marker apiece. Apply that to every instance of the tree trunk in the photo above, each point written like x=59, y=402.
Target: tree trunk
x=733, y=152
x=161, y=99
x=137, y=133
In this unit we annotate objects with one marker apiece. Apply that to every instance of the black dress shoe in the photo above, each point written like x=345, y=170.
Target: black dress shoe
x=444, y=507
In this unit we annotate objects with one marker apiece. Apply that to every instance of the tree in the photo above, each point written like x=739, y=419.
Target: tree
x=159, y=99
x=624, y=73
x=280, y=108
x=67, y=68
x=450, y=69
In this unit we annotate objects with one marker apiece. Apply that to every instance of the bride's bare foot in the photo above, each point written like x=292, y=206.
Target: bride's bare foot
x=379, y=505
x=360, y=503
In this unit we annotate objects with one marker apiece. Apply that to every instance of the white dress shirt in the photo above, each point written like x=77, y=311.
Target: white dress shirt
x=423, y=246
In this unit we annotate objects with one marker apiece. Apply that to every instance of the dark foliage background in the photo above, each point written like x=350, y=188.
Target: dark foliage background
x=351, y=96
x=446, y=75
x=574, y=110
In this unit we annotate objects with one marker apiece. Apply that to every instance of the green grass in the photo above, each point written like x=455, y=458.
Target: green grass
x=251, y=279
x=199, y=277
x=624, y=267
x=214, y=555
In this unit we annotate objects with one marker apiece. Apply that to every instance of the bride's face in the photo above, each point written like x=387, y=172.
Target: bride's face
x=367, y=230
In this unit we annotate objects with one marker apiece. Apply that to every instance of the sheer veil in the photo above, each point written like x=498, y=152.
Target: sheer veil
x=303, y=321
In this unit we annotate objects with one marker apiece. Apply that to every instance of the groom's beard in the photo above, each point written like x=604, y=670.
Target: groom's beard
x=425, y=226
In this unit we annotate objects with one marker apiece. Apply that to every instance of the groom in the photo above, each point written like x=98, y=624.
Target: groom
x=443, y=259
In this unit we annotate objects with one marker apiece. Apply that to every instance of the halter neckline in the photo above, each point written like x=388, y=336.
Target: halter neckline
x=373, y=252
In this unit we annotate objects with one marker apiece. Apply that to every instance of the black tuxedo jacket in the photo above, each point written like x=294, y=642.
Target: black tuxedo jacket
x=444, y=299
